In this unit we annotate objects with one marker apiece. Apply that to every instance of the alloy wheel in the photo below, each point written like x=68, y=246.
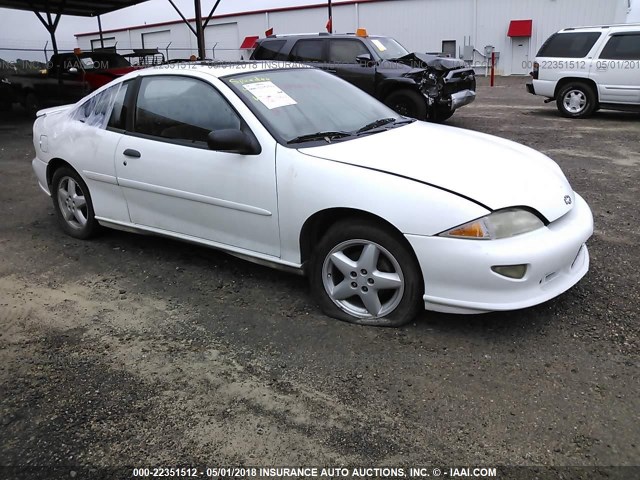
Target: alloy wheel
x=72, y=203
x=575, y=101
x=363, y=279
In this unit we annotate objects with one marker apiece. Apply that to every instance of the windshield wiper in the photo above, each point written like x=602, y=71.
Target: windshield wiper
x=327, y=136
x=384, y=121
x=404, y=121
x=375, y=124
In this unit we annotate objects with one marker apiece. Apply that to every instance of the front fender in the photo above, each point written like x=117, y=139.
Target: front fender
x=387, y=85
x=410, y=206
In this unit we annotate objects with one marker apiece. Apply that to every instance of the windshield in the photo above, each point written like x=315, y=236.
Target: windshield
x=388, y=48
x=295, y=103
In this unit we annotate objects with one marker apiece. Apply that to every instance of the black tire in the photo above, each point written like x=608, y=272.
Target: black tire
x=32, y=104
x=408, y=103
x=576, y=100
x=70, y=218
x=398, y=306
x=440, y=114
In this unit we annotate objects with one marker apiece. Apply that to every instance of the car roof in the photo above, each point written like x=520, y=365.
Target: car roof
x=623, y=27
x=221, y=69
x=318, y=34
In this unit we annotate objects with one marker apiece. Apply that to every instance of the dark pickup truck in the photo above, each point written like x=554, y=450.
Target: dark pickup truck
x=68, y=78
x=417, y=85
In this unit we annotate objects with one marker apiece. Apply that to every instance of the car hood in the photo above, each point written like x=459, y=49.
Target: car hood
x=423, y=60
x=492, y=171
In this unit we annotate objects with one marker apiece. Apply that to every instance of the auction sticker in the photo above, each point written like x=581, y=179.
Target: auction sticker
x=269, y=94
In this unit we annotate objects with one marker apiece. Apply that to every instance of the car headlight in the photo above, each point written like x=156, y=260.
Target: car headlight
x=499, y=224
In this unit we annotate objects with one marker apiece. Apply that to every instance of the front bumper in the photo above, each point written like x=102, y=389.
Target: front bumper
x=458, y=277
x=462, y=98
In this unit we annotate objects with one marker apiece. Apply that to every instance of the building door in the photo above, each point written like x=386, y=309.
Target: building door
x=520, y=61
x=223, y=41
x=160, y=40
x=449, y=48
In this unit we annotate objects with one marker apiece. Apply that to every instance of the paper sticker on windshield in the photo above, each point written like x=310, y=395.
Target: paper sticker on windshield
x=378, y=44
x=269, y=94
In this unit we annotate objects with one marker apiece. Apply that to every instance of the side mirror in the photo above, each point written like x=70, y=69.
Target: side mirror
x=73, y=70
x=233, y=141
x=364, y=59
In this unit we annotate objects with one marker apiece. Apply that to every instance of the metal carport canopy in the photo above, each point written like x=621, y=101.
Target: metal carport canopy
x=95, y=9
x=70, y=7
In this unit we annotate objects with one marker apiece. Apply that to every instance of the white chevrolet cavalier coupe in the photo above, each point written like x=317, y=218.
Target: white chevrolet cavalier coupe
x=294, y=168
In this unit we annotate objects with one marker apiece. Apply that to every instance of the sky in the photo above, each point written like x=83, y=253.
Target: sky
x=22, y=29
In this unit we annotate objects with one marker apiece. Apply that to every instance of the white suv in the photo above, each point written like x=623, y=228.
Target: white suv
x=588, y=68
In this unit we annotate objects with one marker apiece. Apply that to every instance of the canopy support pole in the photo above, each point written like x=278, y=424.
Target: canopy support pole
x=202, y=53
x=50, y=24
x=199, y=30
x=100, y=30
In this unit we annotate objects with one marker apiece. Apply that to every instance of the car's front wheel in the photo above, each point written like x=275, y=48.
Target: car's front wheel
x=72, y=202
x=576, y=100
x=408, y=103
x=362, y=273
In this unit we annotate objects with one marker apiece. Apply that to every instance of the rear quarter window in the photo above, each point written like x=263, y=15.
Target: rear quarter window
x=569, y=45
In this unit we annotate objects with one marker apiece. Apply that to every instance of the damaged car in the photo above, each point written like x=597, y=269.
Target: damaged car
x=417, y=85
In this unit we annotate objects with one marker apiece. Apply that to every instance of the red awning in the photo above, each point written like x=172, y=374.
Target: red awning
x=520, y=28
x=248, y=42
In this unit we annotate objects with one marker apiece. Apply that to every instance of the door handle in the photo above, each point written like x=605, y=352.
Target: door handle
x=330, y=70
x=130, y=152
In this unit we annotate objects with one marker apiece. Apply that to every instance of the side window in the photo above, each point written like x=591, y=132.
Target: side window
x=307, y=51
x=181, y=108
x=270, y=50
x=345, y=51
x=96, y=110
x=118, y=118
x=622, y=47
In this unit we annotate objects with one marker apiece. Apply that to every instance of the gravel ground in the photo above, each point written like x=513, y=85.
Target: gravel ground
x=134, y=350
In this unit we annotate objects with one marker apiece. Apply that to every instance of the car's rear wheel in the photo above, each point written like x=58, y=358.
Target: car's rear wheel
x=408, y=103
x=72, y=202
x=362, y=273
x=576, y=100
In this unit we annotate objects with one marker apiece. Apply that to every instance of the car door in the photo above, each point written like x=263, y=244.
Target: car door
x=171, y=180
x=343, y=63
x=617, y=69
x=311, y=51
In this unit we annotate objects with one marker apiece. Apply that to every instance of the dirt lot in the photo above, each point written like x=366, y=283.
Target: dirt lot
x=133, y=350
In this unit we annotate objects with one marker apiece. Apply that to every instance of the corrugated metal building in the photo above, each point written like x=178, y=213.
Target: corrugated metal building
x=515, y=28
